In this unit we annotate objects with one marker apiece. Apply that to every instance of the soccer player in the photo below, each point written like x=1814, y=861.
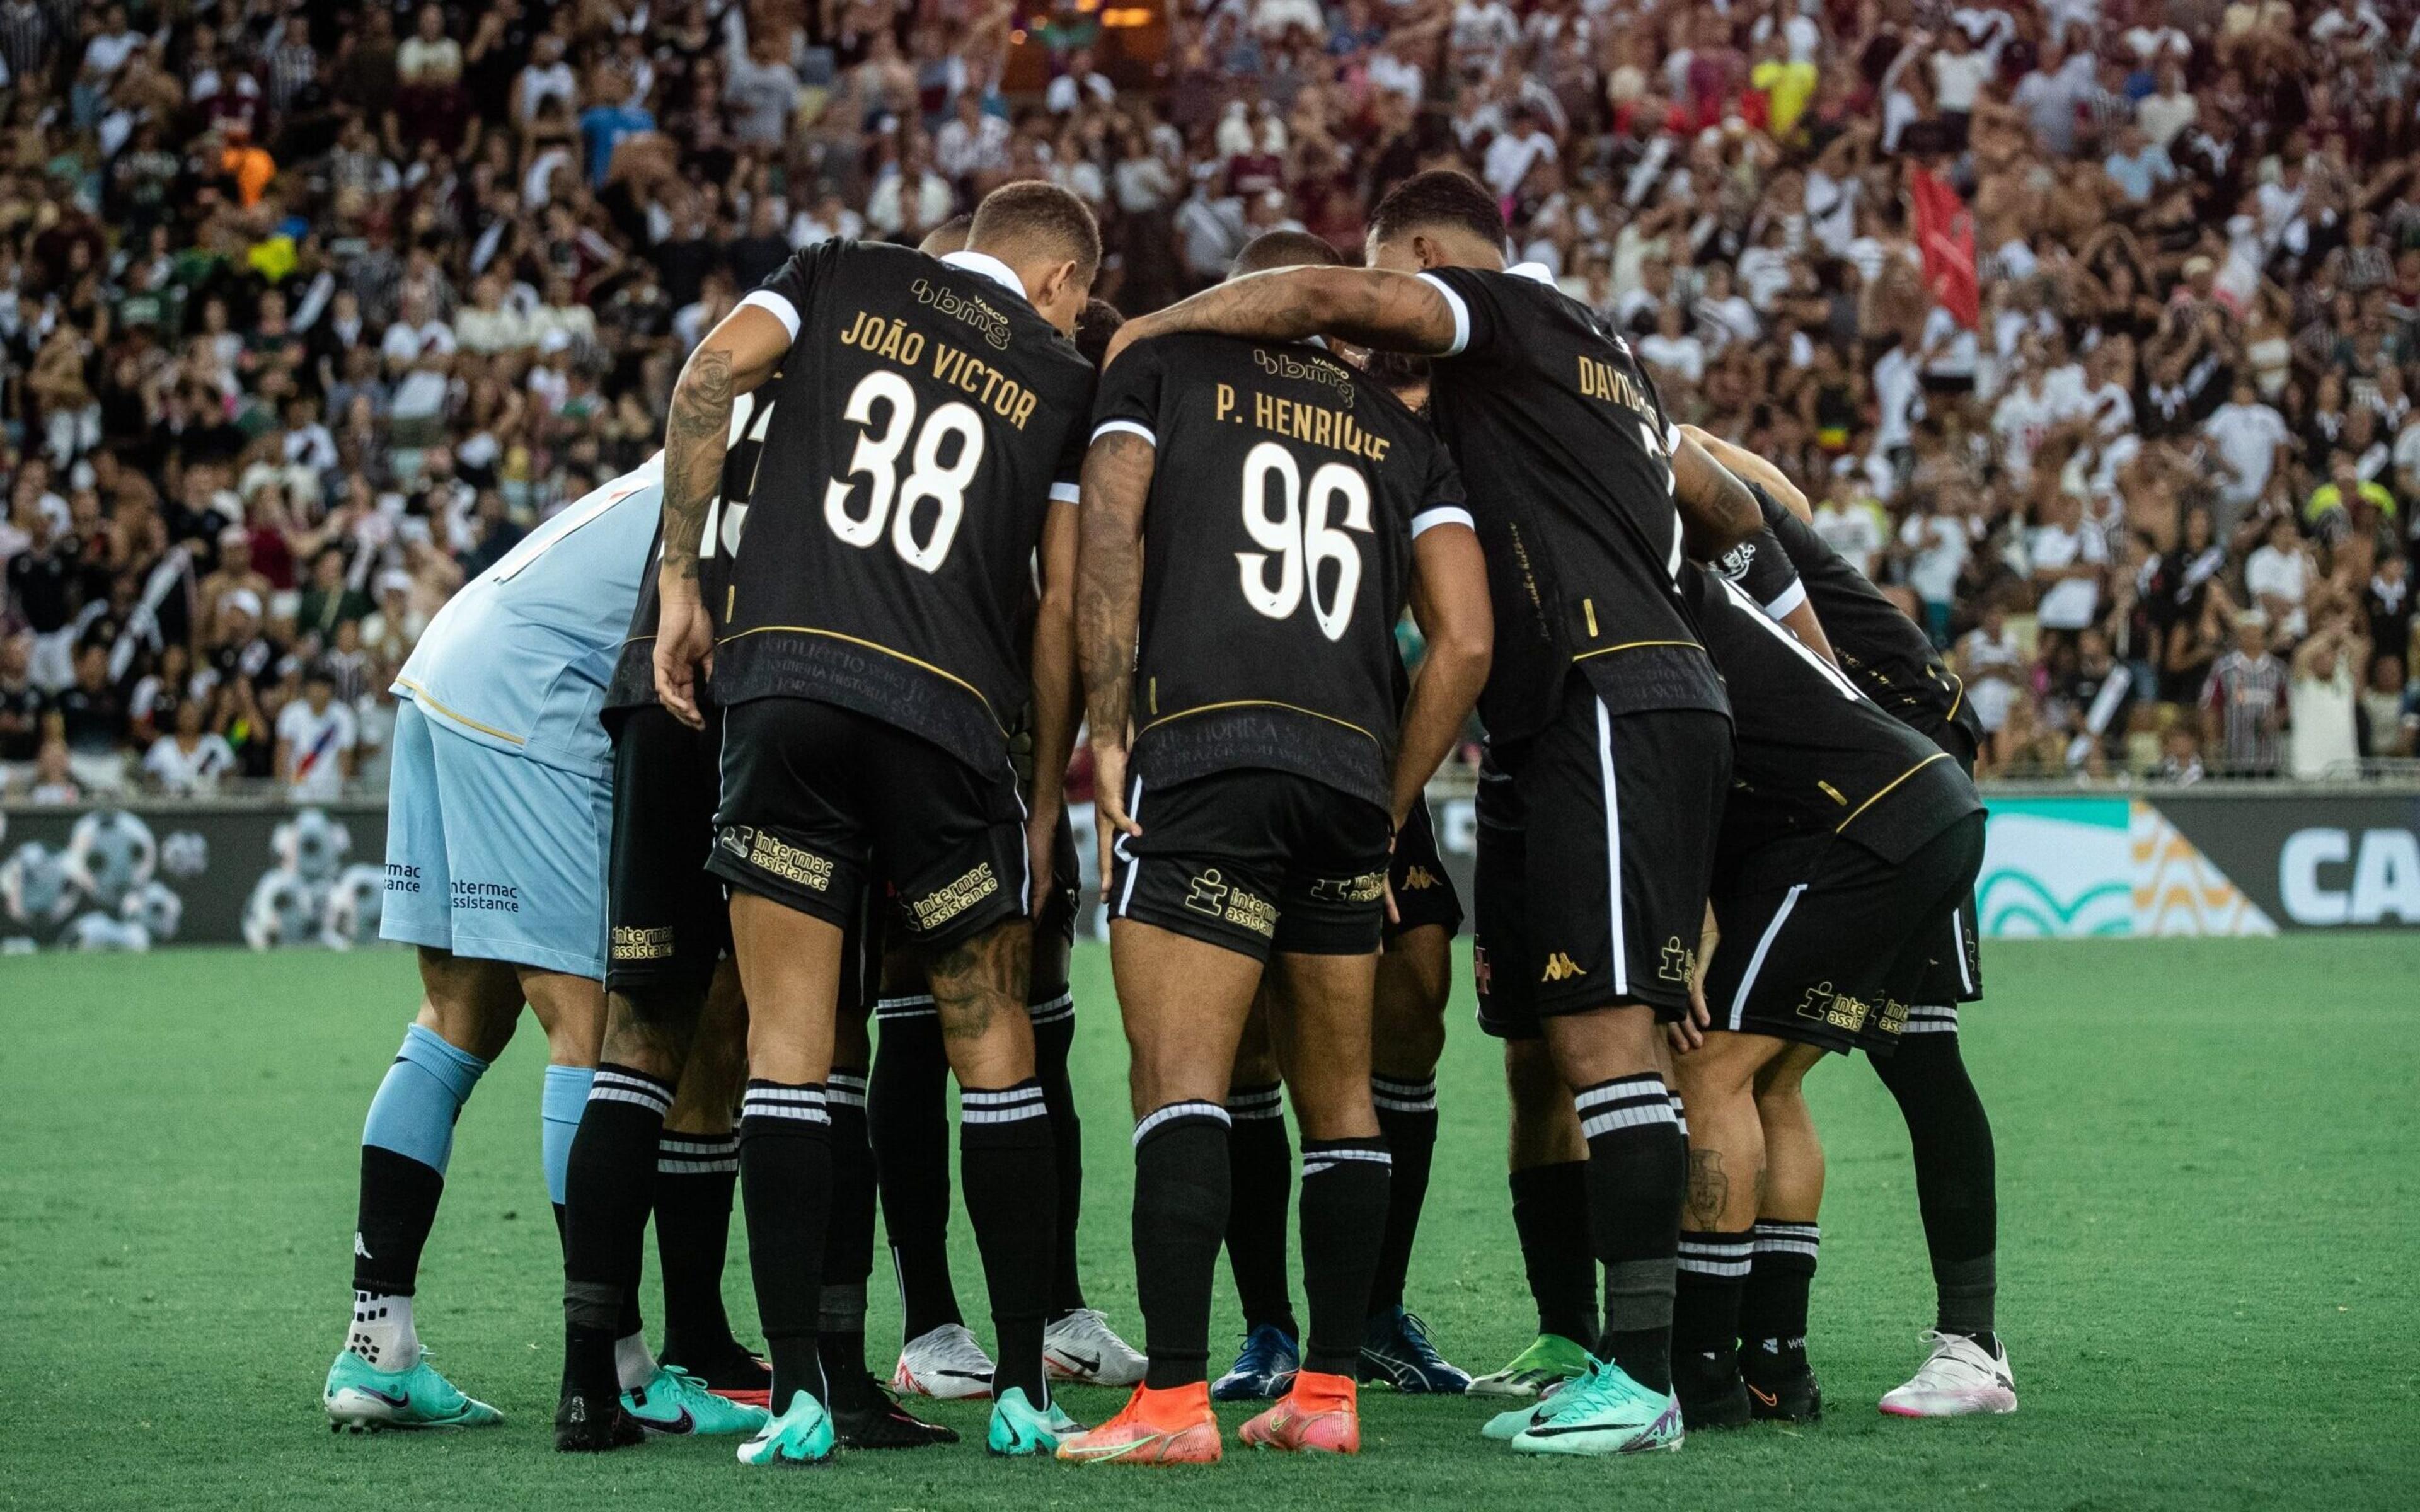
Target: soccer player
x=1415, y=978
x=939, y=1356
x=675, y=1021
x=1604, y=711
x=1238, y=608
x=1848, y=845
x=1893, y=661
x=498, y=825
x=926, y=439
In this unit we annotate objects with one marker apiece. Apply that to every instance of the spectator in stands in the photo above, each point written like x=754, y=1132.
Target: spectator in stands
x=391, y=279
x=2245, y=704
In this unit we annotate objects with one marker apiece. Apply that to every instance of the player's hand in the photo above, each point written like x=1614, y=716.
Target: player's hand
x=1690, y=1032
x=1109, y=816
x=684, y=648
x=1040, y=855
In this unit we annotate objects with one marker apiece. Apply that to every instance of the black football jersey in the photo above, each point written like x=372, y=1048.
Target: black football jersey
x=634, y=674
x=1813, y=755
x=1888, y=654
x=923, y=422
x=1566, y=450
x=1276, y=555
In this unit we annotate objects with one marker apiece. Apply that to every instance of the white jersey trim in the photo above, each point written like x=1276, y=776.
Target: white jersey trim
x=1129, y=427
x=1461, y=313
x=777, y=306
x=1437, y=515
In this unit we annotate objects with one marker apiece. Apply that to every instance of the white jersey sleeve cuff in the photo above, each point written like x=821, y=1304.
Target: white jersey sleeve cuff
x=1430, y=519
x=775, y=305
x=1128, y=426
x=1066, y=493
x=1788, y=601
x=1461, y=313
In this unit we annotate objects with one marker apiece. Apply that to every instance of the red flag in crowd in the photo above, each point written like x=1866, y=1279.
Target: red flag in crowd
x=1944, y=233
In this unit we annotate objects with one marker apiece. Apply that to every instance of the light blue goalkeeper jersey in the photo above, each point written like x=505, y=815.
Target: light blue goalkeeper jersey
x=520, y=657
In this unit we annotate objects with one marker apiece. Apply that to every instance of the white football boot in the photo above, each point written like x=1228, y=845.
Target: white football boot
x=946, y=1364
x=1959, y=1377
x=1082, y=1347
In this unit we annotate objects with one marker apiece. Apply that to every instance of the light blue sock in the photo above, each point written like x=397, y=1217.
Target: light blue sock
x=423, y=1094
x=566, y=1096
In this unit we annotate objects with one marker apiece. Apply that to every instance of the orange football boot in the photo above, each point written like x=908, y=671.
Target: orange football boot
x=1169, y=1427
x=1319, y=1415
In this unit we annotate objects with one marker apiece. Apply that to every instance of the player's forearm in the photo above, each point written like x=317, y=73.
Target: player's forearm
x=1058, y=691
x=1442, y=695
x=1809, y=630
x=1718, y=512
x=1109, y=578
x=1391, y=311
x=695, y=435
x=1750, y=468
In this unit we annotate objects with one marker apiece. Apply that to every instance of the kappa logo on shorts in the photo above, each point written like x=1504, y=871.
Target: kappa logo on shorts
x=1208, y=894
x=633, y=944
x=1680, y=961
x=1418, y=879
x=1561, y=968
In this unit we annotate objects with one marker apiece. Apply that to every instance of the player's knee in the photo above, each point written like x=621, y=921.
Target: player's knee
x=471, y=1004
x=1408, y=1016
x=650, y=1028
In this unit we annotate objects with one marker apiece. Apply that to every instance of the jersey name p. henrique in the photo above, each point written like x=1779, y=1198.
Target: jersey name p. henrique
x=1811, y=754
x=520, y=657
x=1276, y=555
x=1566, y=451
x=922, y=423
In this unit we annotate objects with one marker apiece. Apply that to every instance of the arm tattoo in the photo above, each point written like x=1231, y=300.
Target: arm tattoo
x=1109, y=575
x=1718, y=512
x=1393, y=311
x=695, y=434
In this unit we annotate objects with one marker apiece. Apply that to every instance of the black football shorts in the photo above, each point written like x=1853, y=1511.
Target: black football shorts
x=1824, y=943
x=1424, y=894
x=667, y=922
x=1956, y=974
x=819, y=801
x=1255, y=861
x=1596, y=841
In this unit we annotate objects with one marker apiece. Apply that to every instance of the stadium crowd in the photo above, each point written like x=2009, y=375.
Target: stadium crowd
x=2089, y=326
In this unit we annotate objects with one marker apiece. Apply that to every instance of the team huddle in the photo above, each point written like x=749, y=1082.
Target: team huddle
x=746, y=774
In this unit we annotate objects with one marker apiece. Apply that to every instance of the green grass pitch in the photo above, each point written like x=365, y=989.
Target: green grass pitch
x=2207, y=1262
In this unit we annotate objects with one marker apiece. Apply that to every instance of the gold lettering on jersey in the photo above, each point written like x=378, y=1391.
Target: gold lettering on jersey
x=988, y=385
x=891, y=340
x=1601, y=379
x=895, y=341
x=1226, y=402
x=1317, y=423
x=969, y=308
x=1308, y=370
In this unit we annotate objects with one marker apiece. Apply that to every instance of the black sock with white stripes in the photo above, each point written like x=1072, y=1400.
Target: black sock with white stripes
x=848, y=1244
x=1054, y=1036
x=786, y=1169
x=1550, y=1214
x=908, y=1121
x=1344, y=1192
x=1180, y=1212
x=697, y=1175
x=608, y=1187
x=1956, y=1183
x=1638, y=1175
x=1772, y=1310
x=1706, y=1304
x=1407, y=1120
x=1013, y=1201
x=1261, y=1187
